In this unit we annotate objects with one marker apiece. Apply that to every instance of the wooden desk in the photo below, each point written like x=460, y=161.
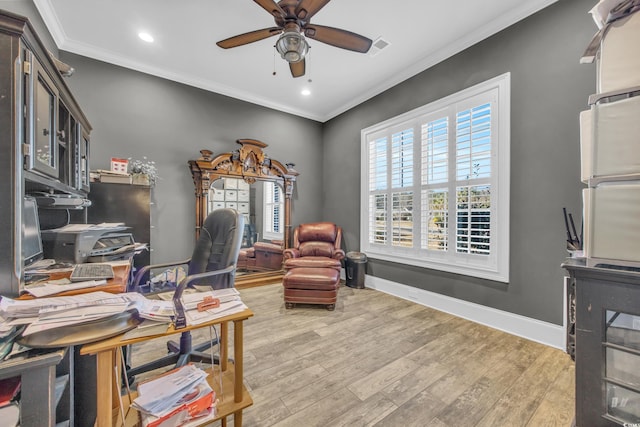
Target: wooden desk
x=108, y=363
x=118, y=284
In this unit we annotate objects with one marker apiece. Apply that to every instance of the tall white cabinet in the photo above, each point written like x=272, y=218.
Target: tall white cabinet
x=232, y=193
x=606, y=283
x=610, y=157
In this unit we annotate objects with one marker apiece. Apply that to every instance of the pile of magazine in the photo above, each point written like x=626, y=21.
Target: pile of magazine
x=179, y=397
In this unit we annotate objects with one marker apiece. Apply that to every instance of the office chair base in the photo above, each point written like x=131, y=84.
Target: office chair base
x=170, y=359
x=179, y=355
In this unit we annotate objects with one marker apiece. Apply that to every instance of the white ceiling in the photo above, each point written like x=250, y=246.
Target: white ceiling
x=420, y=34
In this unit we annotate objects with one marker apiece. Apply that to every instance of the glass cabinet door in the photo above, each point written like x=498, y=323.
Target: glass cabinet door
x=64, y=145
x=84, y=160
x=622, y=366
x=74, y=147
x=45, y=102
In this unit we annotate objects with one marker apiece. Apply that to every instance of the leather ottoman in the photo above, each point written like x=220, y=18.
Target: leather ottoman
x=308, y=285
x=268, y=256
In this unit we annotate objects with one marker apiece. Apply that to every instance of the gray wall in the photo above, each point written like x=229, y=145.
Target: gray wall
x=548, y=90
x=28, y=9
x=136, y=115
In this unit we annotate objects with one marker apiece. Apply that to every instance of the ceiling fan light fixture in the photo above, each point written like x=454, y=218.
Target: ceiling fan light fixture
x=292, y=46
x=145, y=37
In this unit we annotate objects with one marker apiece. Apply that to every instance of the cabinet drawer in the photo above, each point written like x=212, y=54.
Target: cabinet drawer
x=218, y=195
x=608, y=139
x=217, y=205
x=243, y=207
x=617, y=65
x=243, y=195
x=612, y=229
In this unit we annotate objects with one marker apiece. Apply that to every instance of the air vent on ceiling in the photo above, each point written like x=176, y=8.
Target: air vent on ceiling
x=377, y=45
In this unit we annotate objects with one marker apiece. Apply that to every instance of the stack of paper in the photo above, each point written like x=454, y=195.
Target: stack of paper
x=156, y=310
x=48, y=313
x=111, y=176
x=43, y=314
x=230, y=303
x=175, y=398
x=52, y=287
x=8, y=334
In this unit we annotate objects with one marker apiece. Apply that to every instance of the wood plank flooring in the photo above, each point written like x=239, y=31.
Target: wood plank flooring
x=378, y=360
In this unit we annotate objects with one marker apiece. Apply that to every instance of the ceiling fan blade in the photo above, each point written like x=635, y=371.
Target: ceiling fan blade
x=297, y=68
x=339, y=38
x=272, y=7
x=250, y=37
x=307, y=8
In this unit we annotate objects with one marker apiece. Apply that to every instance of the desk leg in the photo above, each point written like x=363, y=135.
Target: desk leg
x=224, y=345
x=237, y=354
x=107, y=390
x=239, y=375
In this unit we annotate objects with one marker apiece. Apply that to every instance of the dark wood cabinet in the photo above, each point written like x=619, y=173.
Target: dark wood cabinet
x=607, y=345
x=44, y=137
x=126, y=203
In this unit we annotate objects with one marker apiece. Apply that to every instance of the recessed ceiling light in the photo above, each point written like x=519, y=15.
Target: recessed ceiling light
x=146, y=37
x=306, y=92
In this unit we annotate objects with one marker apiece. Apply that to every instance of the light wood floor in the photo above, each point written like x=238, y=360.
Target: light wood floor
x=378, y=360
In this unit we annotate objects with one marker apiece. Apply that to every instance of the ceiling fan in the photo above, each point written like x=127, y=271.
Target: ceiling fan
x=292, y=20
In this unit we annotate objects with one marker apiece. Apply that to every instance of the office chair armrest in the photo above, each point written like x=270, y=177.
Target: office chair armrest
x=135, y=285
x=181, y=321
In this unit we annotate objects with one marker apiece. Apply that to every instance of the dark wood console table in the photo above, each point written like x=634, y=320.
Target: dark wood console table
x=607, y=347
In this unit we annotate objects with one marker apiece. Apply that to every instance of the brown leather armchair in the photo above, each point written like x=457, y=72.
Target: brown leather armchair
x=313, y=265
x=315, y=245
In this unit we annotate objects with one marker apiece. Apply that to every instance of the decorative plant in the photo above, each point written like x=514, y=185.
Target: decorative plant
x=144, y=167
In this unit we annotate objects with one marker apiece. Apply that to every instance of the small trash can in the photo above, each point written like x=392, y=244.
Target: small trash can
x=355, y=265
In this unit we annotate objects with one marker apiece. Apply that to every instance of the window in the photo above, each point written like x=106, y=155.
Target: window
x=436, y=188
x=273, y=211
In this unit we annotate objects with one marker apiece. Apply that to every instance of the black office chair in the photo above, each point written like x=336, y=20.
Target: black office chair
x=212, y=264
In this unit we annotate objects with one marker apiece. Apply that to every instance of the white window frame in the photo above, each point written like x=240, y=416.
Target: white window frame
x=268, y=211
x=494, y=266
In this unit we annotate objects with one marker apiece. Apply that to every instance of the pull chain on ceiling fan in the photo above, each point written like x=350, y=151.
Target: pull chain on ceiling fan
x=292, y=20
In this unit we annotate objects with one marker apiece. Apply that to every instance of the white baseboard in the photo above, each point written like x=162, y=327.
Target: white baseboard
x=515, y=324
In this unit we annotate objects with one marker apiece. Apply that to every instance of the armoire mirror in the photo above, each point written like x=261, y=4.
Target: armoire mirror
x=258, y=187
